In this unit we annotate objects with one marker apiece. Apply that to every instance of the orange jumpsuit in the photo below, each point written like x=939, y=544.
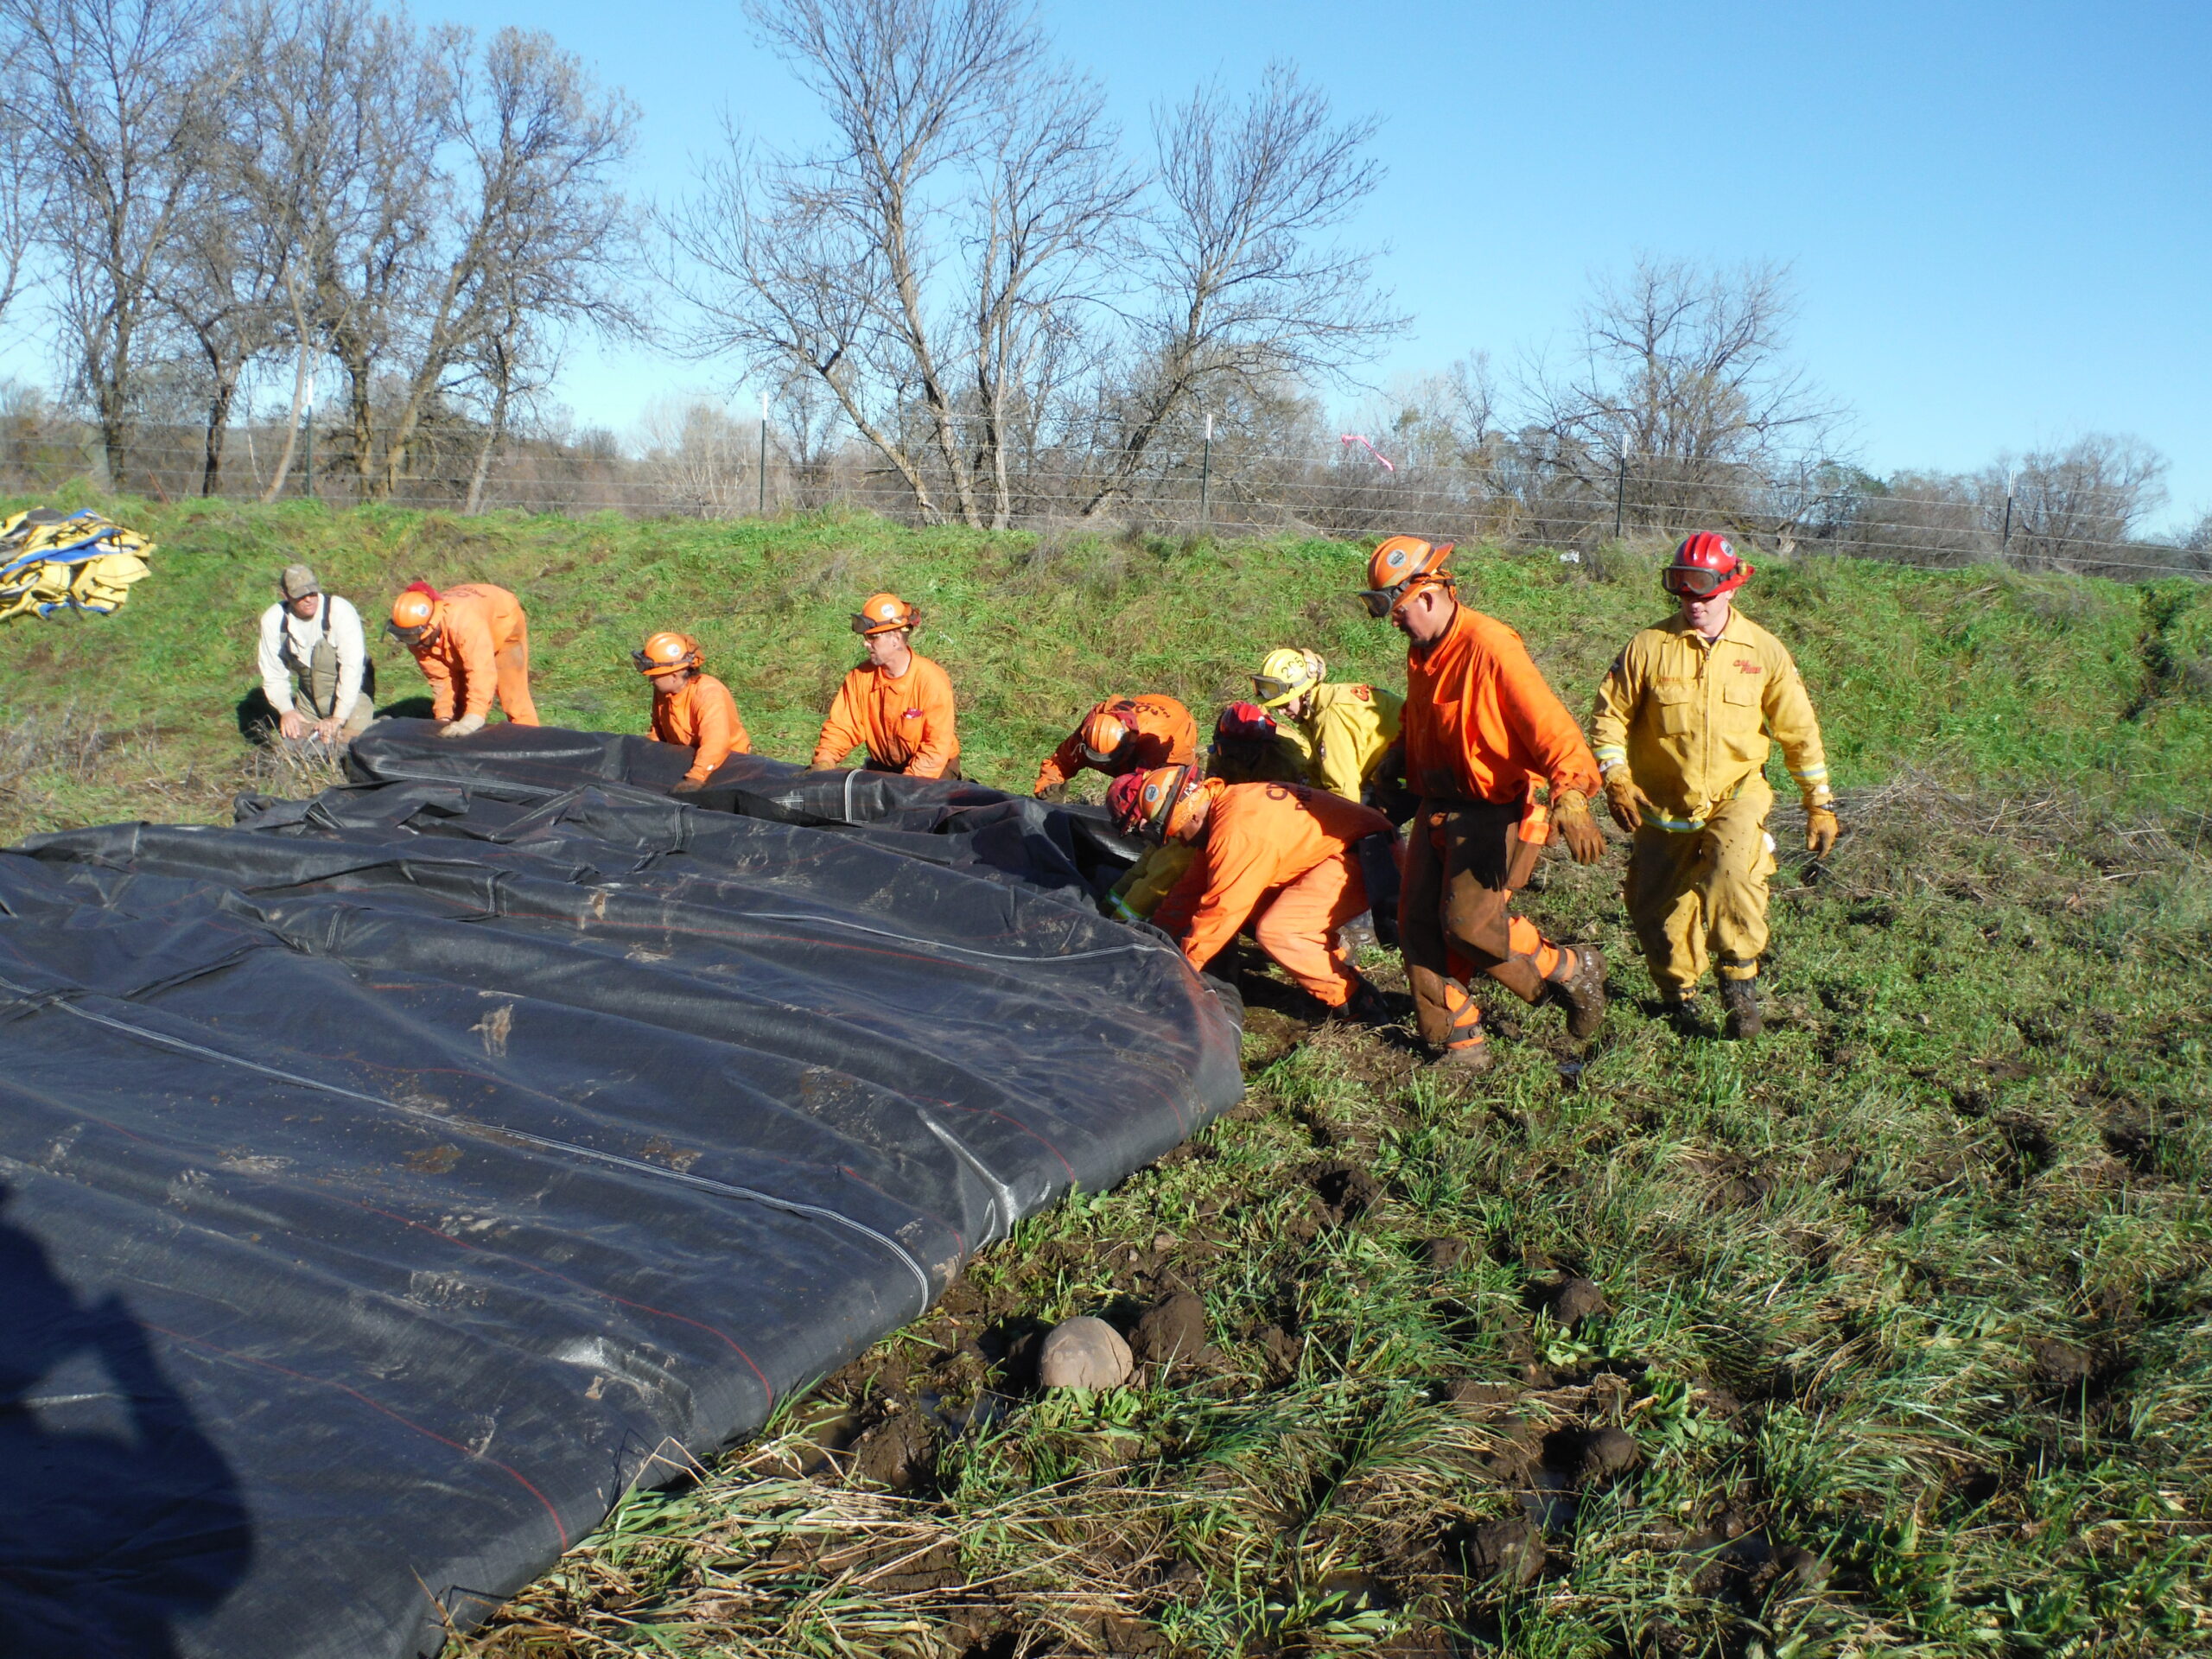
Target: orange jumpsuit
x=1481, y=728
x=1279, y=858
x=481, y=651
x=1166, y=736
x=700, y=715
x=905, y=723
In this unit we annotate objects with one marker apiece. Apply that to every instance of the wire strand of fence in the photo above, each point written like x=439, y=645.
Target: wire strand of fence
x=1533, y=505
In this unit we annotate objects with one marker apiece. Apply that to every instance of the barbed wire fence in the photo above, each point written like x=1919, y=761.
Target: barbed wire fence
x=1512, y=496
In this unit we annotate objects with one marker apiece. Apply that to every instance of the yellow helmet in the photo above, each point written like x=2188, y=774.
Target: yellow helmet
x=1287, y=675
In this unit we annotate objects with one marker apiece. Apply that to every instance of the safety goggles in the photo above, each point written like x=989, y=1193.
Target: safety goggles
x=1688, y=581
x=1381, y=601
x=1268, y=690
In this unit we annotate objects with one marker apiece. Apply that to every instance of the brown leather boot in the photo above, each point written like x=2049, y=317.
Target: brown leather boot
x=1467, y=1059
x=1582, y=992
x=1741, y=998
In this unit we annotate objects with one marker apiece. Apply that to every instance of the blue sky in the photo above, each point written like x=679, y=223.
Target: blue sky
x=1998, y=215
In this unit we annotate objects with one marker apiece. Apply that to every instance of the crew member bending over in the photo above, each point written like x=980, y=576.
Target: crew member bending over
x=1277, y=859
x=473, y=645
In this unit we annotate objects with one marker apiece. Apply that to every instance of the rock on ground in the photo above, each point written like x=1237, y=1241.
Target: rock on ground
x=1083, y=1353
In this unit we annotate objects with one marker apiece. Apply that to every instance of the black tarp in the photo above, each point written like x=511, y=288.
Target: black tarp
x=389, y=1183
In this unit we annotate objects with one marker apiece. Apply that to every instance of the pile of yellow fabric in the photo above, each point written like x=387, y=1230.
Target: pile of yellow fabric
x=53, y=561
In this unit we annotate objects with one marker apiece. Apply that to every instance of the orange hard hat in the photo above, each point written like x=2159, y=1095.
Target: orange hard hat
x=1153, y=808
x=1402, y=564
x=1104, y=730
x=666, y=653
x=883, y=613
x=413, y=613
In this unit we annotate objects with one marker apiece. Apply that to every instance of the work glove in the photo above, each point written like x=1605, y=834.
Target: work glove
x=463, y=727
x=688, y=786
x=1624, y=800
x=1821, y=830
x=1571, y=812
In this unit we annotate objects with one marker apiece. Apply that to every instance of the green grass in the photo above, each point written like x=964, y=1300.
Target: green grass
x=1973, y=675
x=1910, y=1305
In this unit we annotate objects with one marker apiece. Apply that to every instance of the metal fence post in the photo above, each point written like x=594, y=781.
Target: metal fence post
x=1620, y=492
x=2004, y=541
x=764, y=454
x=1206, y=474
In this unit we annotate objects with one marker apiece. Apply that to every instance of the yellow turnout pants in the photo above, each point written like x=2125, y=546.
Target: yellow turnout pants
x=1152, y=877
x=1698, y=891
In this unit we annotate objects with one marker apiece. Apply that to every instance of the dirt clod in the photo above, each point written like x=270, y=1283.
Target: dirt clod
x=899, y=1452
x=1575, y=1299
x=1172, y=1330
x=1083, y=1353
x=1511, y=1550
x=2059, y=1365
x=1443, y=1255
x=1607, y=1453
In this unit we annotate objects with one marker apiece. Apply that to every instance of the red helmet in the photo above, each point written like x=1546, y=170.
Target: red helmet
x=1244, y=723
x=1705, y=564
x=1121, y=800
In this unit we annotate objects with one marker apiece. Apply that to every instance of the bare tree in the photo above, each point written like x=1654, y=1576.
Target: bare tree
x=927, y=267
x=535, y=238
x=331, y=143
x=24, y=182
x=2078, y=508
x=1682, y=373
x=1240, y=294
x=128, y=92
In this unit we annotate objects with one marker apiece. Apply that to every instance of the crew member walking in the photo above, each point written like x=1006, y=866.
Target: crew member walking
x=898, y=704
x=1682, y=729
x=1483, y=732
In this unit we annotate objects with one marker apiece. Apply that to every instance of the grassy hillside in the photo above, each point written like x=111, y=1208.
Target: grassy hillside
x=1905, y=1343
x=1972, y=674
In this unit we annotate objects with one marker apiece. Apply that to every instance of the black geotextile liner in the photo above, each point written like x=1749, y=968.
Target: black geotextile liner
x=390, y=1182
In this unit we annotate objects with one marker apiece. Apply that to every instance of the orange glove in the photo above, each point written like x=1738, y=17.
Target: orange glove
x=1571, y=812
x=1821, y=830
x=1624, y=800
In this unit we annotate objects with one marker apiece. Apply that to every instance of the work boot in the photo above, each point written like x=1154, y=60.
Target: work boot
x=1367, y=1006
x=1687, y=1009
x=1582, y=993
x=1466, y=1059
x=1741, y=998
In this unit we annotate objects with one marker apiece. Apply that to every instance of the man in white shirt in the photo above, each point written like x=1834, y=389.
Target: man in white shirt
x=312, y=660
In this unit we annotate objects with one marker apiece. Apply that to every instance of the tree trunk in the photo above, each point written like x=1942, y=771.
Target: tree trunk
x=219, y=427
x=300, y=383
x=492, y=438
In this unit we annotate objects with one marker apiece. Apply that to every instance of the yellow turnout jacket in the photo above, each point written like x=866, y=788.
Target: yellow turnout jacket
x=1347, y=730
x=1691, y=717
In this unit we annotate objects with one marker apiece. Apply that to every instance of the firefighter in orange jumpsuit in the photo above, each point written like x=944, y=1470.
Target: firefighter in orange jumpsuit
x=1482, y=732
x=1277, y=859
x=473, y=645
x=1123, y=734
x=691, y=707
x=897, y=705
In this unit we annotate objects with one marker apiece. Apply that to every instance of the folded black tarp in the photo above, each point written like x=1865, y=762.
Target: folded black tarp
x=388, y=1184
